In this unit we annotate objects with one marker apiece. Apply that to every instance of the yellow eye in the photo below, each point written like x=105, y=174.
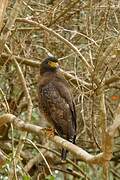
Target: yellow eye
x=53, y=64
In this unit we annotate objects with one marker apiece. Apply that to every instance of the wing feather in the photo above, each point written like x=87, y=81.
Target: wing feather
x=59, y=109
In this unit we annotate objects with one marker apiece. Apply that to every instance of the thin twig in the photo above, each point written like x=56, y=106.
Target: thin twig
x=29, y=112
x=69, y=44
x=77, y=151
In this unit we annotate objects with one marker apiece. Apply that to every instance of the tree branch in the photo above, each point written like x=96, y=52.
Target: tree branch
x=69, y=44
x=31, y=62
x=8, y=26
x=74, y=80
x=29, y=109
x=77, y=151
x=3, y=4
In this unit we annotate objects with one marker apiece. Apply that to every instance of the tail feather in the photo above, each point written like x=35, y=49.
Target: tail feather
x=64, y=154
x=64, y=151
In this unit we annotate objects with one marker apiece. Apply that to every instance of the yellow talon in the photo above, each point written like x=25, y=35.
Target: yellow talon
x=50, y=132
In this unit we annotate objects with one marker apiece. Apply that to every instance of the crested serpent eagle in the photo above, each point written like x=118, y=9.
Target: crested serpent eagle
x=55, y=101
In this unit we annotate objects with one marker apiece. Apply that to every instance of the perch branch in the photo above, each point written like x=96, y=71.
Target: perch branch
x=77, y=151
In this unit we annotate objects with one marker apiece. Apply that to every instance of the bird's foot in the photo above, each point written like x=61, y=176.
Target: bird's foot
x=49, y=132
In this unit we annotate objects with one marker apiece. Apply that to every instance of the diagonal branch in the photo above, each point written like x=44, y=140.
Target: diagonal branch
x=8, y=26
x=100, y=158
x=33, y=63
x=74, y=80
x=69, y=44
x=29, y=111
x=3, y=4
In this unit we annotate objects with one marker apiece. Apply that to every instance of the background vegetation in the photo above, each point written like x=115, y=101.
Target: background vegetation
x=84, y=35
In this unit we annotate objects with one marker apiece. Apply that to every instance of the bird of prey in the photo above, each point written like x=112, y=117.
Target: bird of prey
x=55, y=101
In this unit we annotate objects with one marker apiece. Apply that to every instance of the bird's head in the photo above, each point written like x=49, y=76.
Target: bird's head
x=50, y=64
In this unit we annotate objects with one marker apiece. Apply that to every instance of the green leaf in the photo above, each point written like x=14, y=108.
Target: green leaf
x=26, y=177
x=50, y=177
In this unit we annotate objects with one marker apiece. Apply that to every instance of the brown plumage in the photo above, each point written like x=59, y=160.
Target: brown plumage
x=55, y=101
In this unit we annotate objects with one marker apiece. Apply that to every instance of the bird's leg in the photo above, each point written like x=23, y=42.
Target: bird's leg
x=50, y=132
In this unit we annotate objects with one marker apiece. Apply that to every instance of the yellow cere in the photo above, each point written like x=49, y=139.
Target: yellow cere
x=53, y=64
